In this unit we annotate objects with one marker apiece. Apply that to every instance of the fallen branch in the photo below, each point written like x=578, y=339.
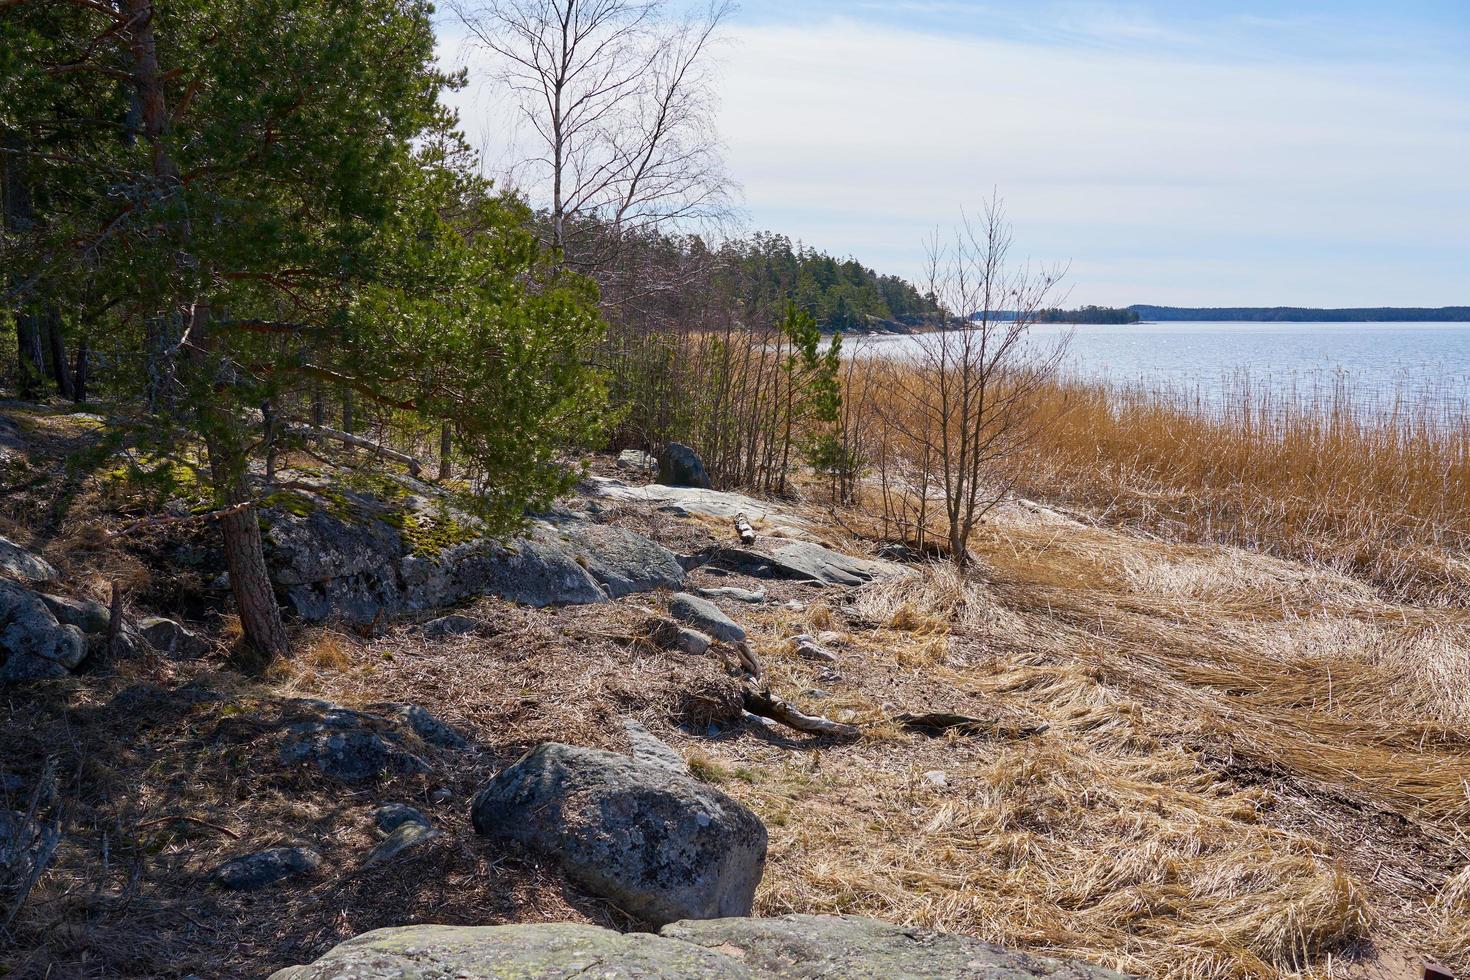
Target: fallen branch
x=322, y=432
x=212, y=515
x=767, y=705
x=187, y=819
x=743, y=528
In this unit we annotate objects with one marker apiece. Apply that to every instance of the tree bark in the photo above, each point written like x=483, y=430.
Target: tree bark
x=79, y=373
x=31, y=363
x=60, y=367
x=445, y=446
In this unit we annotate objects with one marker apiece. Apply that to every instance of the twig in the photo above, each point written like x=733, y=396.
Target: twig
x=203, y=823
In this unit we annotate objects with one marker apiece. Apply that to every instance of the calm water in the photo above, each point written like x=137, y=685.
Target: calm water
x=1419, y=365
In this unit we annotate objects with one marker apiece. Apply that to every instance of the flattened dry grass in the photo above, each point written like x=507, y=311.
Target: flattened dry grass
x=1254, y=768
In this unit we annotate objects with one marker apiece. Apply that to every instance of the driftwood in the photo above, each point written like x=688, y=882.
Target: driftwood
x=760, y=701
x=936, y=723
x=743, y=528
x=323, y=432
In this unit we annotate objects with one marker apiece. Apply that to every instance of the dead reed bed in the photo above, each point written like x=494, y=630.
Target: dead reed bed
x=1378, y=488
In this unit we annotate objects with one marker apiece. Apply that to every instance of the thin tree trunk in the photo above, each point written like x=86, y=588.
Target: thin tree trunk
x=60, y=367
x=445, y=445
x=79, y=373
x=31, y=364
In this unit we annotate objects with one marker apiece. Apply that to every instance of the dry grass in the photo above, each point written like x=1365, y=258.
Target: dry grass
x=1380, y=492
x=1255, y=768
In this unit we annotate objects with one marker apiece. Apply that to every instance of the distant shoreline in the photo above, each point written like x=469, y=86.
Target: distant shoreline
x=1303, y=314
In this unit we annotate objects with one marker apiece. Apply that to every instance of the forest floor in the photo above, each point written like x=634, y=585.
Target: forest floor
x=1249, y=767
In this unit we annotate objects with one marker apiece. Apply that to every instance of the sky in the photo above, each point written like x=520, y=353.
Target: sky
x=1178, y=152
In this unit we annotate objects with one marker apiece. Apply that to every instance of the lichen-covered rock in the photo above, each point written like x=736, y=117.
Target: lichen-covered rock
x=251, y=871
x=637, y=461
x=355, y=746
x=390, y=816
x=639, y=830
x=173, y=638
x=622, y=561
x=680, y=466
x=24, y=566
x=30, y=637
x=554, y=951
x=811, y=946
x=807, y=561
x=87, y=615
x=856, y=948
x=706, y=617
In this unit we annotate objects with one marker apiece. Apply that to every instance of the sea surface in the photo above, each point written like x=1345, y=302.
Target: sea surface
x=1417, y=368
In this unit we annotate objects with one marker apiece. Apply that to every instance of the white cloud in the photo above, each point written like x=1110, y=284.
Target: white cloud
x=1152, y=173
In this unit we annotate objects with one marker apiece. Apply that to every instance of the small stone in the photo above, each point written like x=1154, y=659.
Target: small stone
x=809, y=649
x=441, y=795
x=403, y=837
x=816, y=692
x=936, y=777
x=795, y=605
x=390, y=816
x=446, y=626
x=252, y=871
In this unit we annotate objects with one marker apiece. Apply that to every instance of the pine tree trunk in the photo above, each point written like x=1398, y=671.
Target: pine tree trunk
x=31, y=361
x=255, y=599
x=60, y=367
x=444, y=448
x=79, y=373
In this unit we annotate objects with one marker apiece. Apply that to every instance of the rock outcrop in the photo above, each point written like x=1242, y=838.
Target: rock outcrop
x=364, y=557
x=639, y=830
x=835, y=947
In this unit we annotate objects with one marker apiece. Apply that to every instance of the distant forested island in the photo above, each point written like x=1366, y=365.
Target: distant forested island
x=1090, y=314
x=1301, y=314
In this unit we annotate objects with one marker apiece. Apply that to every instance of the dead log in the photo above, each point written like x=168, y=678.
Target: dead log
x=743, y=528
x=760, y=701
x=323, y=432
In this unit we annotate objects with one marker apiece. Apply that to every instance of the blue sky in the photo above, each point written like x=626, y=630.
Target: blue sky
x=1193, y=153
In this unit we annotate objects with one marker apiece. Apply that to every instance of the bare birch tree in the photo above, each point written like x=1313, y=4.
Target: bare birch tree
x=968, y=404
x=618, y=102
